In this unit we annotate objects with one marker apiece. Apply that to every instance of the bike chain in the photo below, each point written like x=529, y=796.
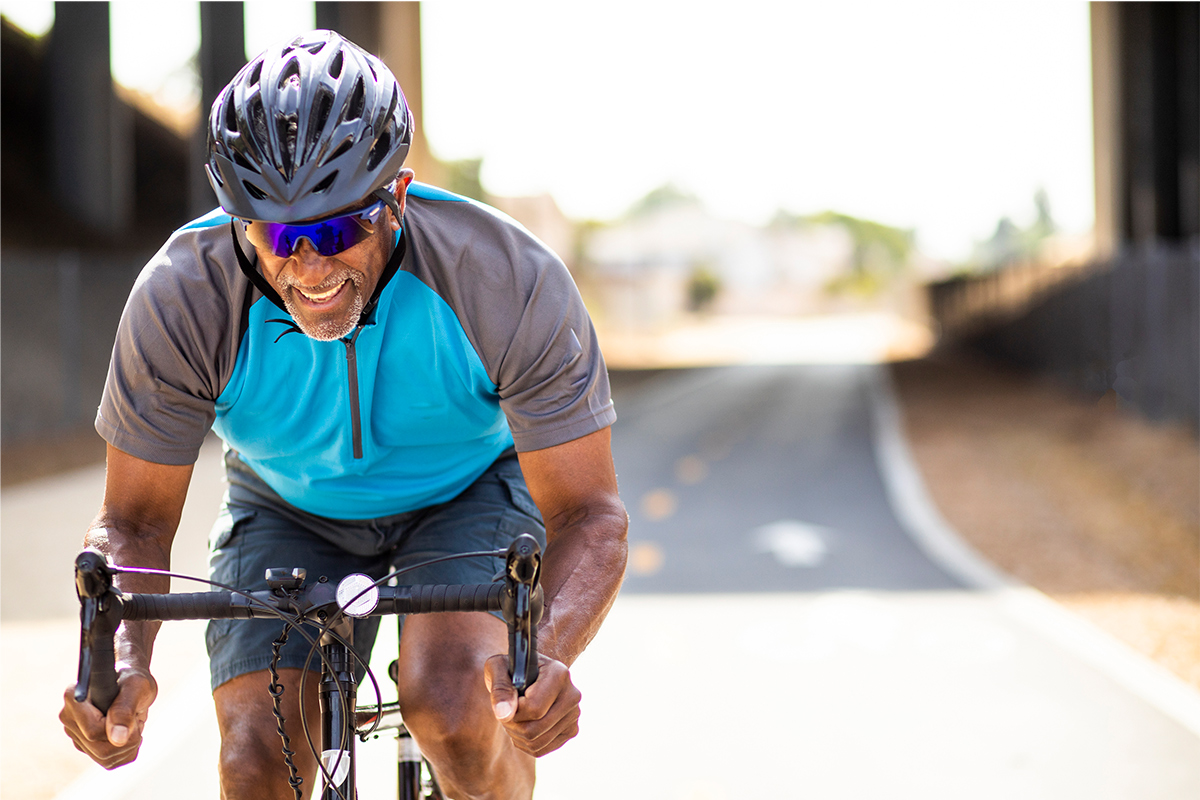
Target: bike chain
x=276, y=690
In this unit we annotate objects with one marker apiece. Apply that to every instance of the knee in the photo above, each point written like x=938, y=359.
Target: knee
x=252, y=762
x=459, y=734
x=450, y=718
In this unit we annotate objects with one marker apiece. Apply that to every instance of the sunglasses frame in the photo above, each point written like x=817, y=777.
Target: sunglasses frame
x=292, y=233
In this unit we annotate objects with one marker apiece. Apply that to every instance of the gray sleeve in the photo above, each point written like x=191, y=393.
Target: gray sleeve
x=174, y=351
x=523, y=313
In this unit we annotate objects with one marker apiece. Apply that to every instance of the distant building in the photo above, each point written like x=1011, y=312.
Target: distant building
x=640, y=268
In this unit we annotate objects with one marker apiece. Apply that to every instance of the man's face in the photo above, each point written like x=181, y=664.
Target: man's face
x=326, y=294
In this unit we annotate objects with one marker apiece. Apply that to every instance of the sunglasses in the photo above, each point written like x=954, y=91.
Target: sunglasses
x=329, y=236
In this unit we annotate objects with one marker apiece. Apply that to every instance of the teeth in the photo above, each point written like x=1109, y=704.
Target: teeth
x=317, y=298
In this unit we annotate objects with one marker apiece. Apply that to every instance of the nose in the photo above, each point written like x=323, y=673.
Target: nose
x=307, y=265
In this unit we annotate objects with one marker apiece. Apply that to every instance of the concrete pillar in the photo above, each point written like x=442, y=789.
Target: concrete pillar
x=391, y=31
x=1107, y=130
x=401, y=51
x=222, y=54
x=91, y=132
x=357, y=21
x=1146, y=93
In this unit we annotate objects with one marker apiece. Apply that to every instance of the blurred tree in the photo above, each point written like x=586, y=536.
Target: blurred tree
x=881, y=252
x=666, y=196
x=702, y=288
x=1010, y=243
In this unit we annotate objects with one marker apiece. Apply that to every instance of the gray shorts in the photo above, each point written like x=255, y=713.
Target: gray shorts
x=257, y=530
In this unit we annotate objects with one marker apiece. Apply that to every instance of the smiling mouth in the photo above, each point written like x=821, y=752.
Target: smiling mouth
x=320, y=298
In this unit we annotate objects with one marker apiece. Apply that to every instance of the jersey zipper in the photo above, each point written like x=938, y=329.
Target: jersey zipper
x=352, y=370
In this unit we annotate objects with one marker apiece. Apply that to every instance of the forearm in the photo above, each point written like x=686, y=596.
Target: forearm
x=127, y=545
x=582, y=570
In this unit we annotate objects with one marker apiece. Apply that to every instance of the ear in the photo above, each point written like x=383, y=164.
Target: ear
x=402, y=181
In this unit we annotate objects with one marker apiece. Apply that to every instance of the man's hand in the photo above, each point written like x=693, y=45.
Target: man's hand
x=114, y=739
x=547, y=717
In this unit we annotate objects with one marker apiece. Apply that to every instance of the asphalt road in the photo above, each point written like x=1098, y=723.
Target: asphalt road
x=760, y=479
x=781, y=632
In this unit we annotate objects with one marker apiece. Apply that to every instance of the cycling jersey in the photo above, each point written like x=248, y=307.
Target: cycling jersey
x=479, y=342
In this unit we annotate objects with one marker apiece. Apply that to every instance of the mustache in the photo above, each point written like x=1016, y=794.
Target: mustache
x=334, y=279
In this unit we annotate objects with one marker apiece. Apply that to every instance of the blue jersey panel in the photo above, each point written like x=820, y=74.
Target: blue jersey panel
x=431, y=419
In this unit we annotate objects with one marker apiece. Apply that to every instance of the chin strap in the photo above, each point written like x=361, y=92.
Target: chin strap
x=250, y=272
x=389, y=270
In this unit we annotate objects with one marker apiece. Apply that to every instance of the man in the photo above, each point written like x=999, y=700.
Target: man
x=373, y=352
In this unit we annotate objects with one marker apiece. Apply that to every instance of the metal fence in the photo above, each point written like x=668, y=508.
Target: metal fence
x=1130, y=325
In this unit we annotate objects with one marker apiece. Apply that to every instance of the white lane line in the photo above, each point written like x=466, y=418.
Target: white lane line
x=172, y=721
x=941, y=543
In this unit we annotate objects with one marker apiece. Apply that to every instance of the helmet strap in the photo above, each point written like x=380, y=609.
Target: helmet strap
x=389, y=270
x=253, y=274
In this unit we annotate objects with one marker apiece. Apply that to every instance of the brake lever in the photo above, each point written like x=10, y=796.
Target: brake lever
x=99, y=615
x=522, y=605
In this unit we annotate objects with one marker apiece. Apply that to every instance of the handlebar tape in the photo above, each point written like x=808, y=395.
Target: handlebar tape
x=191, y=605
x=434, y=599
x=102, y=684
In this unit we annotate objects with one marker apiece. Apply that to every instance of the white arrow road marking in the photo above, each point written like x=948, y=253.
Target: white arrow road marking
x=793, y=543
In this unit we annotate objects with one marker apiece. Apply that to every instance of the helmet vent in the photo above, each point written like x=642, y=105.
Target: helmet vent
x=395, y=99
x=255, y=73
x=335, y=66
x=231, y=124
x=346, y=144
x=315, y=47
x=354, y=108
x=382, y=145
x=286, y=127
x=243, y=162
x=214, y=172
x=290, y=72
x=325, y=183
x=316, y=127
x=258, y=120
x=254, y=191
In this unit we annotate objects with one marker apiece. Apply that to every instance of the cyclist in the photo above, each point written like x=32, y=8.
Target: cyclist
x=397, y=373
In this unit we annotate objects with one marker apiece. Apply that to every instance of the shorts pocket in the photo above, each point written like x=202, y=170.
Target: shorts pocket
x=518, y=492
x=227, y=524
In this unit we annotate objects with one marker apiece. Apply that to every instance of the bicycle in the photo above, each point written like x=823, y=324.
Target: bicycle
x=331, y=609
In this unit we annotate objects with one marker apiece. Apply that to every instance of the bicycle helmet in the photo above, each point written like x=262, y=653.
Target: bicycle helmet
x=307, y=128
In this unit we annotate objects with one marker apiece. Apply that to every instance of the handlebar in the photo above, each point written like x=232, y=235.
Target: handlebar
x=103, y=607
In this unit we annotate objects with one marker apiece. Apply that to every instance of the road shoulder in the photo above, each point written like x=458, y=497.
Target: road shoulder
x=1090, y=504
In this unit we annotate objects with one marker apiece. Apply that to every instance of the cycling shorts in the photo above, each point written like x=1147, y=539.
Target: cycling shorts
x=257, y=530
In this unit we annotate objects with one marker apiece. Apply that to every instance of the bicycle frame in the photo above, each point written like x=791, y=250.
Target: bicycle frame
x=519, y=599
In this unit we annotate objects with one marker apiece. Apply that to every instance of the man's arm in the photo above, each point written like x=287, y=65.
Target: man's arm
x=136, y=525
x=575, y=487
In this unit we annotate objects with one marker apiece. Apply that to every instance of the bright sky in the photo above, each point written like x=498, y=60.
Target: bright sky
x=941, y=116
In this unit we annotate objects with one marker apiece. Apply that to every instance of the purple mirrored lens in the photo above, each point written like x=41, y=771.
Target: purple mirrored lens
x=329, y=236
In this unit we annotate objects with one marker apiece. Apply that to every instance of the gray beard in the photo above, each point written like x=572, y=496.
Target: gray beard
x=328, y=329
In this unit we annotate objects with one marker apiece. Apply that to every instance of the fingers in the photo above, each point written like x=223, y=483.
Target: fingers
x=127, y=715
x=499, y=685
x=114, y=739
x=547, y=717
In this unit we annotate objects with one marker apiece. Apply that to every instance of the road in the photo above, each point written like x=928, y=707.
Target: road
x=783, y=631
